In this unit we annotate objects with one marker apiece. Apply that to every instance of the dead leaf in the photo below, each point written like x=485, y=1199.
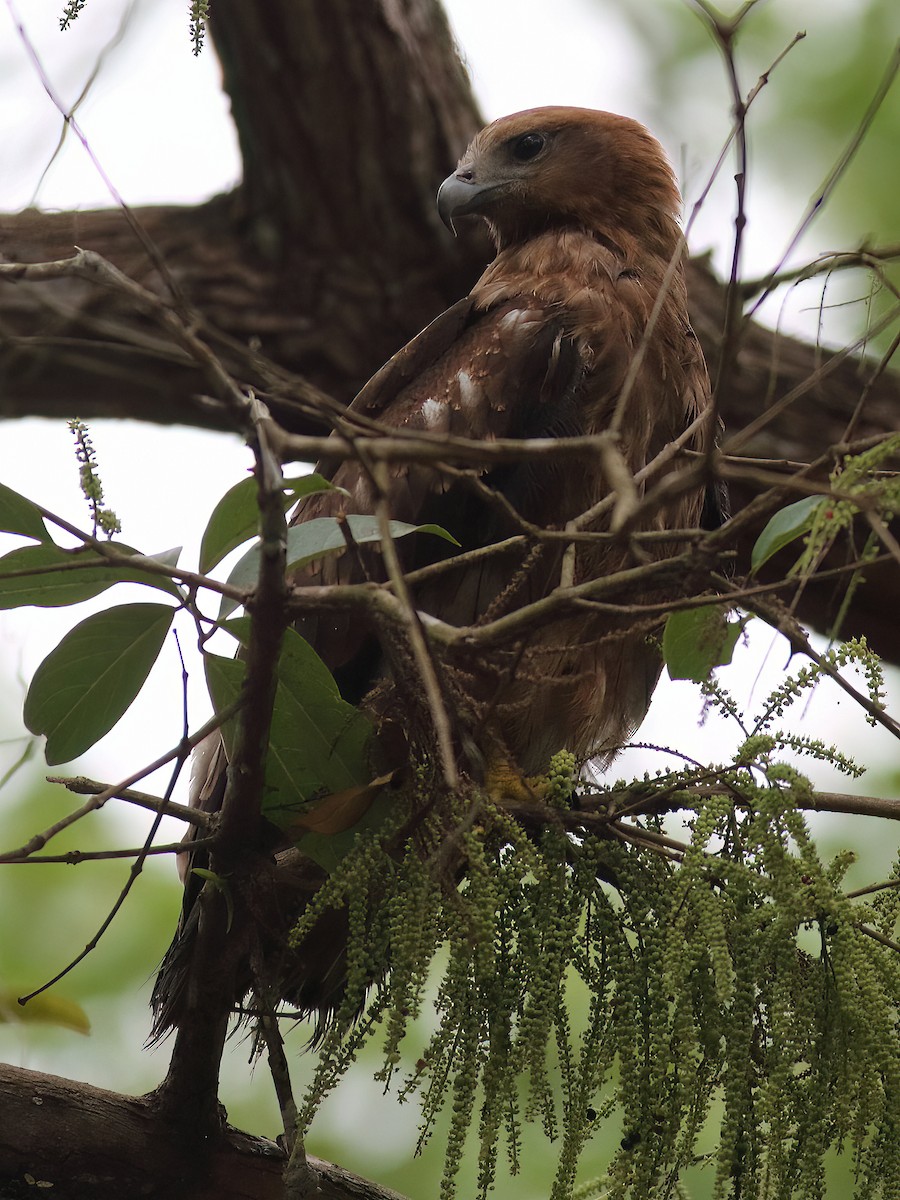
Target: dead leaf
x=339, y=811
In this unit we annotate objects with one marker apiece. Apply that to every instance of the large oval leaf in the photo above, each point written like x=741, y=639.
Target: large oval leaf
x=235, y=519
x=19, y=515
x=319, y=538
x=696, y=640
x=83, y=687
x=784, y=527
x=48, y=576
x=318, y=744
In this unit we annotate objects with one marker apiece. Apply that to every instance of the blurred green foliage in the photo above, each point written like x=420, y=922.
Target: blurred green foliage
x=811, y=105
x=804, y=118
x=52, y=910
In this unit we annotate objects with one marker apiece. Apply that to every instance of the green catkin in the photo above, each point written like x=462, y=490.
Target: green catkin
x=199, y=17
x=711, y=1008
x=70, y=13
x=104, y=520
x=857, y=478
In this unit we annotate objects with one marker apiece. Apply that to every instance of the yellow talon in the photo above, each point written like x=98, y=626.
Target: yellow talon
x=503, y=781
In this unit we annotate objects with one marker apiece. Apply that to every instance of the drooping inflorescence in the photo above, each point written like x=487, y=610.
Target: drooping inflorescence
x=729, y=991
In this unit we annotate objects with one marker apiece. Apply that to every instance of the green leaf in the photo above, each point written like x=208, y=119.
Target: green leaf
x=83, y=687
x=784, y=527
x=219, y=882
x=318, y=744
x=319, y=538
x=47, y=1008
x=696, y=640
x=19, y=515
x=48, y=576
x=235, y=519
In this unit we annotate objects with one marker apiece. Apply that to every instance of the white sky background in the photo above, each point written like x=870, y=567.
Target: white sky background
x=156, y=120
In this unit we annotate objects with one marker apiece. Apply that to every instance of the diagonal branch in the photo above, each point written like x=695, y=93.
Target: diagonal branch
x=189, y=1093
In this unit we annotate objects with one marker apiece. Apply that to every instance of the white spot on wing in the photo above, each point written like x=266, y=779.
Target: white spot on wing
x=514, y=317
x=468, y=392
x=432, y=412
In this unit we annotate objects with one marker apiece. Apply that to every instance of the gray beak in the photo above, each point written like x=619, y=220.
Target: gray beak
x=458, y=196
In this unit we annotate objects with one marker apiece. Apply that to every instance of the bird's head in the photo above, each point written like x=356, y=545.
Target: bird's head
x=551, y=168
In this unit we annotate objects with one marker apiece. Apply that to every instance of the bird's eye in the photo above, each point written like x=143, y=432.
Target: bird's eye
x=528, y=146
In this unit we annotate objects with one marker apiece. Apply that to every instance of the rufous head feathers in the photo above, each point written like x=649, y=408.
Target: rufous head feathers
x=554, y=167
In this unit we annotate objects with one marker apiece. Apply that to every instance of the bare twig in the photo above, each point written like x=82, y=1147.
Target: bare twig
x=825, y=264
x=884, y=886
x=137, y=867
x=877, y=936
x=83, y=786
x=635, y=836
x=180, y=325
x=734, y=443
x=74, y=857
x=882, y=532
x=417, y=639
x=100, y=798
x=191, y=1083
x=779, y=619
x=835, y=174
x=68, y=115
x=114, y=42
x=267, y=1024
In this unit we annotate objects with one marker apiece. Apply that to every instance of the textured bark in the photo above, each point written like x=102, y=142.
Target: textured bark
x=70, y=348
x=92, y=1144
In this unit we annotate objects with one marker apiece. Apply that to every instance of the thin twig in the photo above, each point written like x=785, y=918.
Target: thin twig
x=884, y=886
x=734, y=443
x=40, y=840
x=267, y=1024
x=779, y=619
x=74, y=857
x=92, y=267
x=825, y=264
x=835, y=174
x=878, y=936
x=83, y=786
x=68, y=115
x=636, y=838
x=114, y=42
x=110, y=553
x=417, y=639
x=137, y=865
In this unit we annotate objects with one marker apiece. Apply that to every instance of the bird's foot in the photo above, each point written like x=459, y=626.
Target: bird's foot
x=505, y=783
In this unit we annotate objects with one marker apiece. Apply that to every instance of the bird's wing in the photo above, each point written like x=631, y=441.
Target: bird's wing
x=510, y=371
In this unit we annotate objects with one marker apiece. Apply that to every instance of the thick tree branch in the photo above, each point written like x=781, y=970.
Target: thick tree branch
x=103, y=382
x=189, y=1093
x=92, y=1144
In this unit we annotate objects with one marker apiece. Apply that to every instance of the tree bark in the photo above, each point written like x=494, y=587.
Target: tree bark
x=92, y=1144
x=69, y=348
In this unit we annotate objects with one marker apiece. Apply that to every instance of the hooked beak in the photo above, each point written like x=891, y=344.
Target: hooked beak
x=458, y=196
